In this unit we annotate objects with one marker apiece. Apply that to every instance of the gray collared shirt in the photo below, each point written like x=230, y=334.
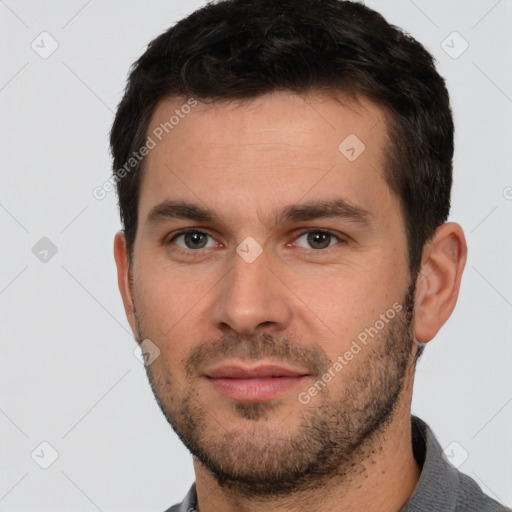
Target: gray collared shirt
x=441, y=487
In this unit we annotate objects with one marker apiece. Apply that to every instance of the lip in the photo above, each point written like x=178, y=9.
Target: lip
x=235, y=371
x=258, y=383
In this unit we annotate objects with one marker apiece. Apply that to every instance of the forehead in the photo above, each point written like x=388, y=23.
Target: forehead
x=279, y=147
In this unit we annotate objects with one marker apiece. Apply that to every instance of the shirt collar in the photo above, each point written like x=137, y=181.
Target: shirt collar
x=439, y=480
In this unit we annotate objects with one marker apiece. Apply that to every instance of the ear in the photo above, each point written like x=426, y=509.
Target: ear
x=438, y=283
x=124, y=279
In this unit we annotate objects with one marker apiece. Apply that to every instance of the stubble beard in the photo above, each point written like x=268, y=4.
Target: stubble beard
x=336, y=434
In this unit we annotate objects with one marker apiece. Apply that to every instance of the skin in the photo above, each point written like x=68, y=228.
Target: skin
x=294, y=304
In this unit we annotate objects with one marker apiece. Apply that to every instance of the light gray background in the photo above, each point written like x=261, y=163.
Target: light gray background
x=68, y=375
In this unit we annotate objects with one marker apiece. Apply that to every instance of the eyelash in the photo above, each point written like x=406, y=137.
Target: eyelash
x=339, y=239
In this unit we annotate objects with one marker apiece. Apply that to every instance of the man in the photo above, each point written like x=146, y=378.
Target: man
x=284, y=173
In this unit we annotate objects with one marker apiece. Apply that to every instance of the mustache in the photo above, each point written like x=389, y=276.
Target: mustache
x=264, y=346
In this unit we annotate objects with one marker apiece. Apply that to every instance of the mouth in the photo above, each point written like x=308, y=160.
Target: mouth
x=258, y=383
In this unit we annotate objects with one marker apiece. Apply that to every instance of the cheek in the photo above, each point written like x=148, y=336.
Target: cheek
x=339, y=306
x=169, y=301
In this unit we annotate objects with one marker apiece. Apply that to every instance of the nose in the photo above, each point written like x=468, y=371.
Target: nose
x=252, y=298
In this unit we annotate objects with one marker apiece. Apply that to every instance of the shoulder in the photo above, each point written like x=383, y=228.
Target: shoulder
x=174, y=508
x=471, y=498
x=441, y=486
x=189, y=503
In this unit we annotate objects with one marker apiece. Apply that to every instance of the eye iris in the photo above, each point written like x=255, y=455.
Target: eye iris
x=195, y=240
x=319, y=240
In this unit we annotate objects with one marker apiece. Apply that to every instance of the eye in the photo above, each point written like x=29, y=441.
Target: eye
x=317, y=240
x=193, y=240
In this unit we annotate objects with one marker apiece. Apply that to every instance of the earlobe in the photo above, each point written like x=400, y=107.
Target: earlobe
x=438, y=283
x=124, y=278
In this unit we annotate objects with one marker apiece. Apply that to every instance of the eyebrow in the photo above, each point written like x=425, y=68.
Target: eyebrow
x=180, y=210
x=320, y=209
x=334, y=208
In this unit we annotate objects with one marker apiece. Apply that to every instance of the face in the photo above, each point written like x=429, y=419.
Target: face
x=271, y=271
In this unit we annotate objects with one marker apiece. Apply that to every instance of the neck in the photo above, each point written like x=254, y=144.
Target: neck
x=383, y=481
